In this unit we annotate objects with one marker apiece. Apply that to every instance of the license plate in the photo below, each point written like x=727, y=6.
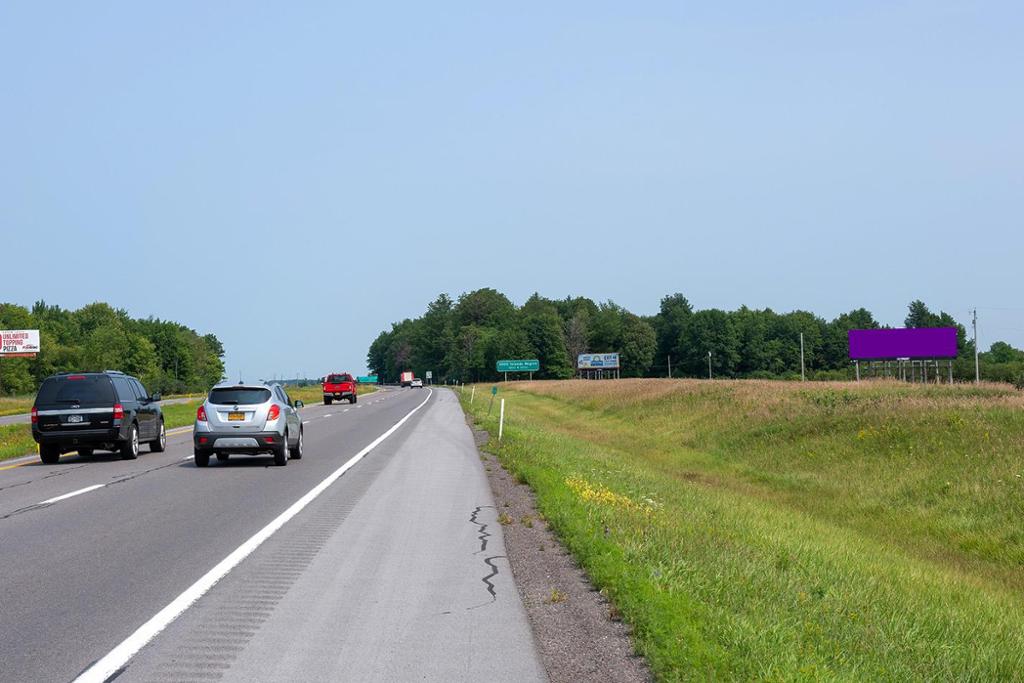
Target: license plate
x=236, y=417
x=75, y=418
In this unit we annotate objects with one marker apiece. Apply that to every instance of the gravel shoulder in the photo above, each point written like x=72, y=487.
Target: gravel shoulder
x=577, y=630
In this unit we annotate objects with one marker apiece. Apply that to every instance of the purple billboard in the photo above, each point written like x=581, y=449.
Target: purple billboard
x=923, y=342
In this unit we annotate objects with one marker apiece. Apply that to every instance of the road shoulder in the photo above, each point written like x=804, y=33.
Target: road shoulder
x=579, y=635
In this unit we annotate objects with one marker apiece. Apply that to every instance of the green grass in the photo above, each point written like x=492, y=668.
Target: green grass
x=15, y=405
x=779, y=531
x=15, y=441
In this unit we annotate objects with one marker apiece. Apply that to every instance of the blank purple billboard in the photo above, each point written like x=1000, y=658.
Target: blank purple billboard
x=924, y=342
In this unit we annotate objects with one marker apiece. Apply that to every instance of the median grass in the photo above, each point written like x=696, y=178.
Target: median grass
x=784, y=531
x=15, y=405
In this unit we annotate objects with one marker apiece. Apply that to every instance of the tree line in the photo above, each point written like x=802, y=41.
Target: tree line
x=167, y=356
x=462, y=340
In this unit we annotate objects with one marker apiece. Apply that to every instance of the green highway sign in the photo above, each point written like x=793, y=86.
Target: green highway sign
x=367, y=379
x=518, y=365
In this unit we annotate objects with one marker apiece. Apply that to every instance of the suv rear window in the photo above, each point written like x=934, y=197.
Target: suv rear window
x=334, y=379
x=88, y=391
x=239, y=395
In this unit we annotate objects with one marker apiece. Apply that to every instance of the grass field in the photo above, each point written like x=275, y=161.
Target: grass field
x=786, y=531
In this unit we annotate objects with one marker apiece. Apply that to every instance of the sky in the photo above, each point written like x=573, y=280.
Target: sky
x=293, y=177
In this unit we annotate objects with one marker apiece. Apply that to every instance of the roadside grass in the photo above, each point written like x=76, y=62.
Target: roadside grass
x=782, y=531
x=180, y=414
x=15, y=441
x=15, y=405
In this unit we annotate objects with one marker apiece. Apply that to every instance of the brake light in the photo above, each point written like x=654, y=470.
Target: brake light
x=76, y=376
x=274, y=413
x=268, y=439
x=201, y=414
x=35, y=415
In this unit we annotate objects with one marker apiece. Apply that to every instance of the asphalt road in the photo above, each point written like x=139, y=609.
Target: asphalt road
x=158, y=570
x=26, y=418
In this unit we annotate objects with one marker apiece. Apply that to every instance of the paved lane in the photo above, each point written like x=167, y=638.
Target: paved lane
x=373, y=580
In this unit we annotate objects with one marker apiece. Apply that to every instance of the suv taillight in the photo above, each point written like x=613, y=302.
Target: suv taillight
x=273, y=413
x=201, y=414
x=35, y=415
x=118, y=411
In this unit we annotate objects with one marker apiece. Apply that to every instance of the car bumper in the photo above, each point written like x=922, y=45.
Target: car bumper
x=80, y=437
x=237, y=442
x=339, y=394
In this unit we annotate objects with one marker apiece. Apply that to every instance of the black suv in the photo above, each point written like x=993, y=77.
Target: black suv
x=90, y=411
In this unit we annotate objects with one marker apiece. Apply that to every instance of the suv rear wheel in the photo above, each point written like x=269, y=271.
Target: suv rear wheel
x=130, y=448
x=201, y=459
x=297, y=451
x=160, y=445
x=50, y=455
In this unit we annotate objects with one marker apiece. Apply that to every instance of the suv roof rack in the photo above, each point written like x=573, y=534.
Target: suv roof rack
x=113, y=372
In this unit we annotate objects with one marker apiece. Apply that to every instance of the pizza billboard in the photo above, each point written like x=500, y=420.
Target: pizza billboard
x=19, y=343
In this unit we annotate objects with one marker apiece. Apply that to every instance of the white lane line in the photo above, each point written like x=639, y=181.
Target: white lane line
x=328, y=414
x=73, y=493
x=188, y=458
x=120, y=655
x=305, y=422
x=345, y=410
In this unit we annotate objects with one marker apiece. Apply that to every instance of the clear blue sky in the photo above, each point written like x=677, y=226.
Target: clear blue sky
x=295, y=176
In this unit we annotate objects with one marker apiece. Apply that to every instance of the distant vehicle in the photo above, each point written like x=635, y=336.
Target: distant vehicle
x=89, y=411
x=247, y=419
x=406, y=378
x=416, y=383
x=339, y=386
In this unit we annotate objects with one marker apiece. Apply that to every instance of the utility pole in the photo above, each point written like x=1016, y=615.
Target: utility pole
x=803, y=373
x=977, y=366
x=709, y=365
x=670, y=367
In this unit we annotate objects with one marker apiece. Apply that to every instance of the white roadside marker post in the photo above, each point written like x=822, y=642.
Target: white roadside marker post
x=501, y=420
x=472, y=395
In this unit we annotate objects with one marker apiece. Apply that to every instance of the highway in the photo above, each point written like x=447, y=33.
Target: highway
x=377, y=556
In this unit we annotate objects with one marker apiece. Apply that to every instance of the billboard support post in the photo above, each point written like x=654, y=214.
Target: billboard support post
x=803, y=373
x=977, y=367
x=856, y=367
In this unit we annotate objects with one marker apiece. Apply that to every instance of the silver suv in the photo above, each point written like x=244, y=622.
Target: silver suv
x=247, y=419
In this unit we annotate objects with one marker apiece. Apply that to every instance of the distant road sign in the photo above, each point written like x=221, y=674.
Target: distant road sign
x=19, y=343
x=518, y=365
x=430, y=374
x=593, y=361
x=367, y=379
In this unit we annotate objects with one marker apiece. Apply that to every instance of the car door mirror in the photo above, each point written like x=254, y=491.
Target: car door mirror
x=155, y=397
x=299, y=404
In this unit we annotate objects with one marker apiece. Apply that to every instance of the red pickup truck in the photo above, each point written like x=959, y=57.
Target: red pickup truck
x=339, y=386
